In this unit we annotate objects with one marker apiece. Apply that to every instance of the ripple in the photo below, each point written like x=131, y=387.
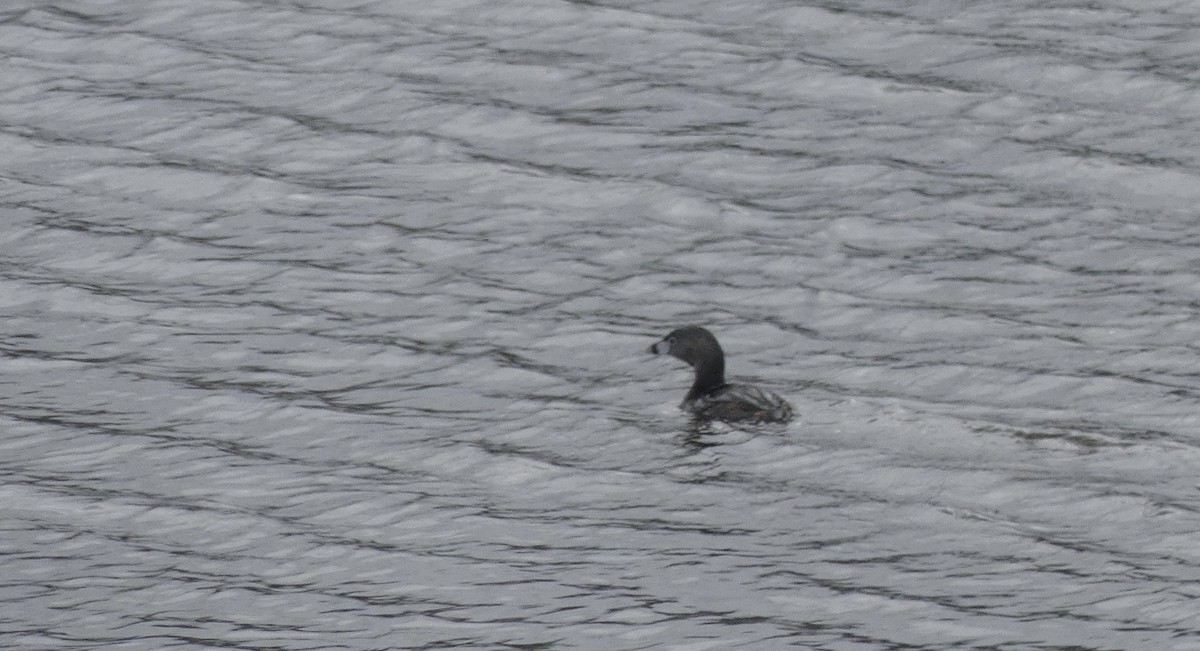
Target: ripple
x=323, y=325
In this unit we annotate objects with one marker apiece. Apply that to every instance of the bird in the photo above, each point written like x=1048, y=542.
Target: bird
x=710, y=397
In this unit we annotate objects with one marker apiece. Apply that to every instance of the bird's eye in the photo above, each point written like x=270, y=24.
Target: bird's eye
x=670, y=339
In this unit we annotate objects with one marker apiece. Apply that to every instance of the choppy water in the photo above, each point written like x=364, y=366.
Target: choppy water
x=323, y=324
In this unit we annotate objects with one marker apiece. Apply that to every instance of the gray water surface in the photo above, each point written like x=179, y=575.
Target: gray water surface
x=324, y=325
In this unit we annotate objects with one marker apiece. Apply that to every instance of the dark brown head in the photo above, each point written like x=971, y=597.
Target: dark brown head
x=692, y=344
x=697, y=347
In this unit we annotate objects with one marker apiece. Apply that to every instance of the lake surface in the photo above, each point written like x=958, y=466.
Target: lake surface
x=324, y=325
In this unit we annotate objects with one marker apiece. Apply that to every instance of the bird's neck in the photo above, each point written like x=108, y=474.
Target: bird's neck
x=710, y=376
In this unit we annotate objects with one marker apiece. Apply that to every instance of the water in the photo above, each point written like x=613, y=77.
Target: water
x=324, y=325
